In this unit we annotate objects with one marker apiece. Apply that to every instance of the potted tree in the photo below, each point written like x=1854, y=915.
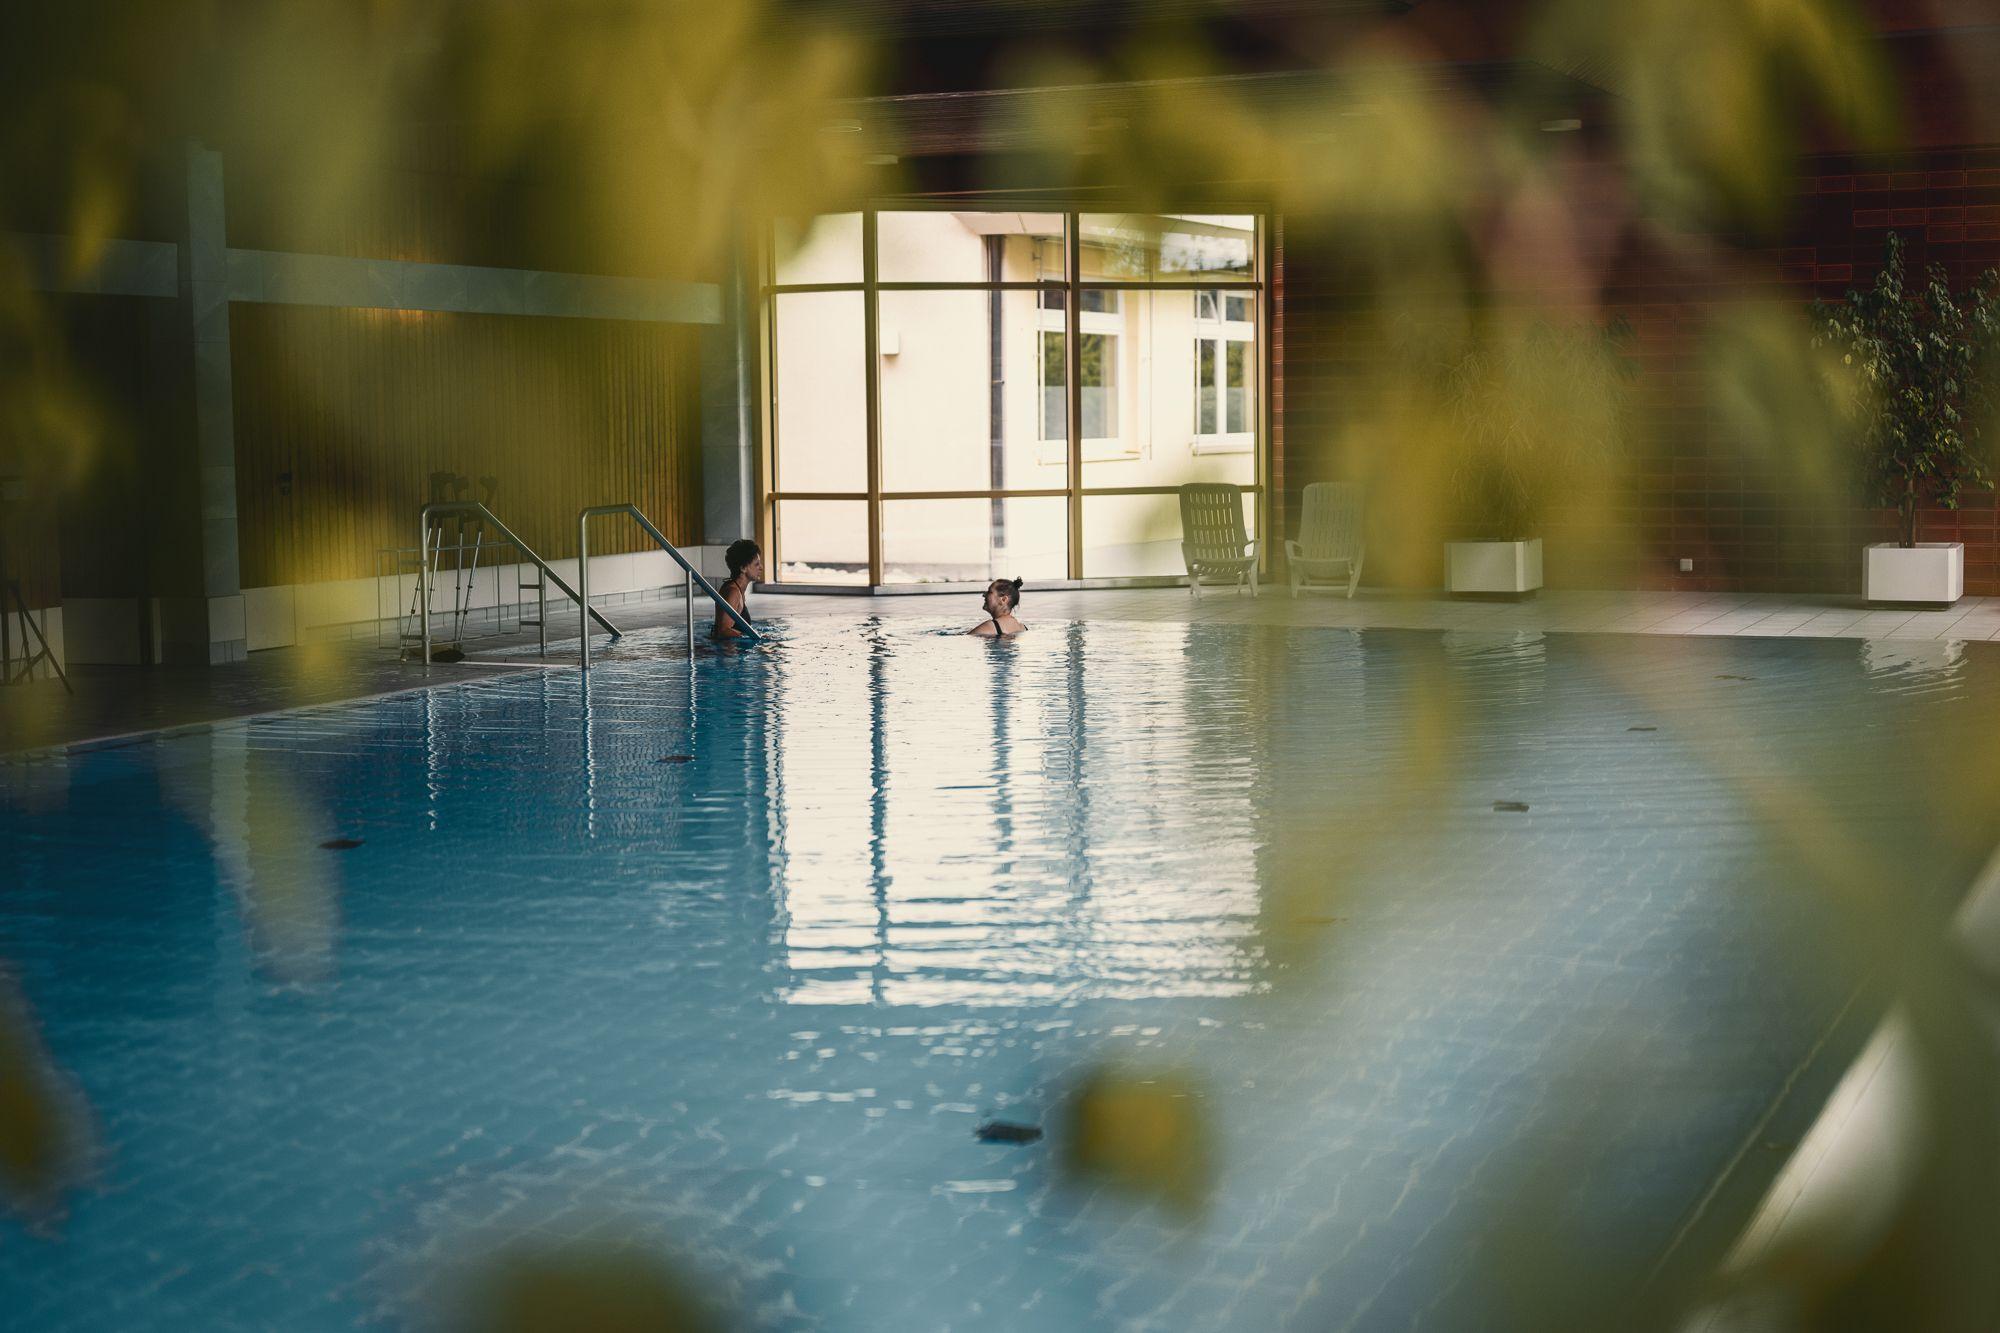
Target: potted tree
x=1924, y=358
x=1534, y=408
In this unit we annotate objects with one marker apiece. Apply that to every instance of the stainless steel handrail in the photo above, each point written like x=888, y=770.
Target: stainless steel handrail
x=691, y=575
x=424, y=567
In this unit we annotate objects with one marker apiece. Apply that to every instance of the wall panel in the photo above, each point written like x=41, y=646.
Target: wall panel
x=1695, y=489
x=342, y=415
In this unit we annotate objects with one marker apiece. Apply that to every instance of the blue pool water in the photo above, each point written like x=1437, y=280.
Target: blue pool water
x=730, y=964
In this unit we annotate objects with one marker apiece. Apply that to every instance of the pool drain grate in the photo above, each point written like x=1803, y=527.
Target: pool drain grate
x=340, y=844
x=1511, y=807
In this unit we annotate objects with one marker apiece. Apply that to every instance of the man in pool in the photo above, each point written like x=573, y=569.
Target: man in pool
x=1002, y=596
x=746, y=566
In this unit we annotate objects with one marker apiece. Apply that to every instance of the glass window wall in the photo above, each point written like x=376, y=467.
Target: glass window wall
x=1042, y=384
x=820, y=426
x=817, y=250
x=939, y=246
x=1139, y=536
x=820, y=541
x=975, y=541
x=1171, y=247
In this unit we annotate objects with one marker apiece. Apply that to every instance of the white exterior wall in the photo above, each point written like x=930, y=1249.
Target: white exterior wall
x=936, y=415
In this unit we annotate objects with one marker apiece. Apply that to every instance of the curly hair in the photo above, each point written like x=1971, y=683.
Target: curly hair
x=739, y=555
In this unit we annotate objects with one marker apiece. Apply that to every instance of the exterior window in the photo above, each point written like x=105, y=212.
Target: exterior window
x=1225, y=333
x=1101, y=318
x=998, y=338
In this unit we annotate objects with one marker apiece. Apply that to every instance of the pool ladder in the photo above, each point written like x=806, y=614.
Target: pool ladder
x=425, y=574
x=691, y=577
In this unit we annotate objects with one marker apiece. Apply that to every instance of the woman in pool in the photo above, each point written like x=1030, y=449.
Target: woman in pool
x=1002, y=596
x=746, y=566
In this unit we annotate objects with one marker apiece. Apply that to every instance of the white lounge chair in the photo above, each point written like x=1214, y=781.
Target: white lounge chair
x=1329, y=548
x=1213, y=542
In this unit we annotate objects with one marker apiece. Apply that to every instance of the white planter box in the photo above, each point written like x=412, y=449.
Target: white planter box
x=1929, y=572
x=1495, y=567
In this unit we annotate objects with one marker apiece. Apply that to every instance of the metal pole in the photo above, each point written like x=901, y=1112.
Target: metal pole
x=541, y=609
x=1073, y=381
x=690, y=576
x=424, y=582
x=687, y=593
x=583, y=582
x=871, y=378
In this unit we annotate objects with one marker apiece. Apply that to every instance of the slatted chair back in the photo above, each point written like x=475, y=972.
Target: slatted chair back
x=1212, y=522
x=1330, y=528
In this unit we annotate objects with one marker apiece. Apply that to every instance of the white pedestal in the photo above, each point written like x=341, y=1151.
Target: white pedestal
x=1510, y=568
x=1932, y=573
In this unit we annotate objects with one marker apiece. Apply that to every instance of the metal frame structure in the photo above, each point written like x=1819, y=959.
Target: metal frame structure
x=770, y=491
x=19, y=671
x=474, y=507
x=398, y=621
x=13, y=602
x=691, y=577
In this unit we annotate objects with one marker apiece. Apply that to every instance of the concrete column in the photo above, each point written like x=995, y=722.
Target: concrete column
x=728, y=413
x=199, y=616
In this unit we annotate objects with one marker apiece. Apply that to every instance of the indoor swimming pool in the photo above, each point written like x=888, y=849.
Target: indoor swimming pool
x=731, y=961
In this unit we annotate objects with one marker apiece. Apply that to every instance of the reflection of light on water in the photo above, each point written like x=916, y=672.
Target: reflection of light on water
x=265, y=836
x=1504, y=665
x=1513, y=645
x=961, y=827
x=1921, y=663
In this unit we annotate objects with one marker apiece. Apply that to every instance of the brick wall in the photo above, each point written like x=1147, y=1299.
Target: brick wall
x=1694, y=487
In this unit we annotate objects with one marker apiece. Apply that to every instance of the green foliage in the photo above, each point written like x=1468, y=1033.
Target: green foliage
x=1924, y=356
x=1535, y=406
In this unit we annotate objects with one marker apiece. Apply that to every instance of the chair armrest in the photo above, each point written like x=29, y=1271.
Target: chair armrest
x=1294, y=551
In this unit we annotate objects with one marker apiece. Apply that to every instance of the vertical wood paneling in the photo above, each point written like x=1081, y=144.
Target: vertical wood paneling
x=361, y=406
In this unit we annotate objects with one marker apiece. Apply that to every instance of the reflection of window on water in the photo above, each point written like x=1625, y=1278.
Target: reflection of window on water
x=952, y=827
x=1138, y=334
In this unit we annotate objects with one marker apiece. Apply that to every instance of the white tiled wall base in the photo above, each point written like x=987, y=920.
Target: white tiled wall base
x=355, y=608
